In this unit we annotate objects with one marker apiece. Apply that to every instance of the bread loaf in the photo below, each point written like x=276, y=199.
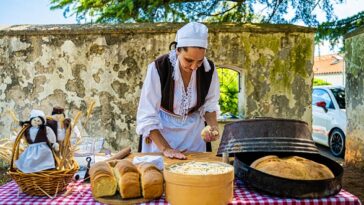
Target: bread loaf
x=127, y=177
x=103, y=182
x=292, y=167
x=152, y=181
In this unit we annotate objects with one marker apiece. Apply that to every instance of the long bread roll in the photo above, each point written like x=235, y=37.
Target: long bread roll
x=103, y=182
x=127, y=177
x=152, y=181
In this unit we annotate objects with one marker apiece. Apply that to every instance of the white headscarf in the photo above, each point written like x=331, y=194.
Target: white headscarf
x=192, y=34
x=37, y=113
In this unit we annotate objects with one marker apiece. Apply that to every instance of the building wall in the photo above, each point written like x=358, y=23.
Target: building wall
x=334, y=78
x=354, y=64
x=75, y=65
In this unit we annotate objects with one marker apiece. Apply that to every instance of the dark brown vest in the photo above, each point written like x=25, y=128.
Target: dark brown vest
x=53, y=124
x=165, y=70
x=41, y=135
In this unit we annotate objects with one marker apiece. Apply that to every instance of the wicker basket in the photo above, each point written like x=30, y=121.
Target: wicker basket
x=44, y=183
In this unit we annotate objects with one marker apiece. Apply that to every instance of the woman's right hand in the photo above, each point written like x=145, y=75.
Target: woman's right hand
x=172, y=153
x=210, y=133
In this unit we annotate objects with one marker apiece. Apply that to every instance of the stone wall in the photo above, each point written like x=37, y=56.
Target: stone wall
x=74, y=65
x=354, y=68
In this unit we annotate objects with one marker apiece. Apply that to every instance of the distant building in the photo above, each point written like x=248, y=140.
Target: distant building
x=330, y=68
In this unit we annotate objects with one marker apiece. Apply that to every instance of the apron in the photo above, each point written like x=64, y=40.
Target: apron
x=36, y=157
x=181, y=134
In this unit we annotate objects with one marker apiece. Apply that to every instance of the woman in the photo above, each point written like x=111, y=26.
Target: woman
x=179, y=95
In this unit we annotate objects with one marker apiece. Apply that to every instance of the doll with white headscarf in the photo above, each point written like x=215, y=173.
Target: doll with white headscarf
x=41, y=139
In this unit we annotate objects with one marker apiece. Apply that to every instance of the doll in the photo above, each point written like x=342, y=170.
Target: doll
x=41, y=139
x=60, y=124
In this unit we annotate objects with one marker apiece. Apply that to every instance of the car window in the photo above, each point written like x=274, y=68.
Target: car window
x=339, y=95
x=322, y=95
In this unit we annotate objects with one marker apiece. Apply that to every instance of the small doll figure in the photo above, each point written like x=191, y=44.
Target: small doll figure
x=41, y=139
x=60, y=124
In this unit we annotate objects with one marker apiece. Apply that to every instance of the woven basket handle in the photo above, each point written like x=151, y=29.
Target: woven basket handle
x=15, y=153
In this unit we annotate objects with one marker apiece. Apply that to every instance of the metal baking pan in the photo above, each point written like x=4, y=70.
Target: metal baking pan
x=287, y=187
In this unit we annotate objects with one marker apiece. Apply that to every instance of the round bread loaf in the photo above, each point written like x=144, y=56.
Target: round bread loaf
x=292, y=167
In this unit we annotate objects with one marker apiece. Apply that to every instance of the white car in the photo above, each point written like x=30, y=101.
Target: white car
x=329, y=118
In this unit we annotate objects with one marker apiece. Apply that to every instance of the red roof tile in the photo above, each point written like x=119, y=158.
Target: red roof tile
x=332, y=63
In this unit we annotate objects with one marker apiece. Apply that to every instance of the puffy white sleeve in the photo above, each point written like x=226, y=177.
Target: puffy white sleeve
x=51, y=135
x=61, y=132
x=149, y=104
x=212, y=98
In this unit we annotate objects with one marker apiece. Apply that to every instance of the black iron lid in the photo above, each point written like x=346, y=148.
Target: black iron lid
x=267, y=135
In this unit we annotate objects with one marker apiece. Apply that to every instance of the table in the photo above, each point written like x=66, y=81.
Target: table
x=243, y=195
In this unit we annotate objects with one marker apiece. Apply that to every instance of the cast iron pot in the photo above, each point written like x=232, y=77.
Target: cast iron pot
x=288, y=187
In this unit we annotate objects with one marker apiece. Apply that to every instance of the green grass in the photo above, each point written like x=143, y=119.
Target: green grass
x=4, y=177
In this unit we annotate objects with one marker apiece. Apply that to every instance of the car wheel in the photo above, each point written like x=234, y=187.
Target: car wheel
x=337, y=143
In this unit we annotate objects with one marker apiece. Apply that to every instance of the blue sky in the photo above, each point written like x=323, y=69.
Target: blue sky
x=37, y=12
x=31, y=12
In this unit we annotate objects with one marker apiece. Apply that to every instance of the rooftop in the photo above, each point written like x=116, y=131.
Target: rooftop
x=327, y=64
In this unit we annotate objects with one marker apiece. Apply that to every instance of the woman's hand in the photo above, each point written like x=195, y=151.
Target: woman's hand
x=210, y=133
x=172, y=153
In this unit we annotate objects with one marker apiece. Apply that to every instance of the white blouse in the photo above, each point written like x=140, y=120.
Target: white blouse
x=33, y=131
x=149, y=110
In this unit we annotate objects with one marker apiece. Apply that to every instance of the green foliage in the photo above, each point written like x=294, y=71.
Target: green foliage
x=263, y=11
x=242, y=11
x=229, y=90
x=335, y=30
x=317, y=82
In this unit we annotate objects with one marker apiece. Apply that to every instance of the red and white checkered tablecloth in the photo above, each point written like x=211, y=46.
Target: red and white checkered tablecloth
x=243, y=195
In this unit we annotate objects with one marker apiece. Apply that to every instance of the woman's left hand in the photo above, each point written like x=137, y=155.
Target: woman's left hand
x=210, y=133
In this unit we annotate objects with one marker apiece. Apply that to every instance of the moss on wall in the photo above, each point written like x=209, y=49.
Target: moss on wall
x=277, y=69
x=71, y=66
x=354, y=71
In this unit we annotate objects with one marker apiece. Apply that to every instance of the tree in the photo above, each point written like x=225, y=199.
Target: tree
x=265, y=11
x=229, y=90
x=335, y=30
x=243, y=11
